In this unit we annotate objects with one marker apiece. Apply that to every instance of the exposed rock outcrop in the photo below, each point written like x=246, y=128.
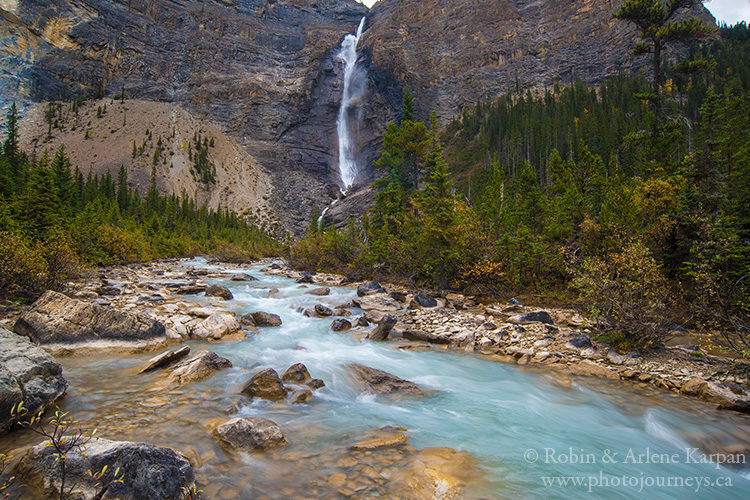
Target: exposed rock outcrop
x=57, y=319
x=28, y=374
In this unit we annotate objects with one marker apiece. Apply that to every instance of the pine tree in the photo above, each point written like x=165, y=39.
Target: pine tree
x=407, y=106
x=63, y=179
x=123, y=194
x=10, y=146
x=39, y=206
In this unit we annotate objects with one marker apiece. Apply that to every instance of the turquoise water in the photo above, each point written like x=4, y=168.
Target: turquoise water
x=505, y=416
x=520, y=427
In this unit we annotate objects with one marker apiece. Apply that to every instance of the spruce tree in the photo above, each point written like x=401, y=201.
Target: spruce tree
x=10, y=146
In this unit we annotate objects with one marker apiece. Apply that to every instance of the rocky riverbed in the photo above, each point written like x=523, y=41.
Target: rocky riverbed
x=156, y=353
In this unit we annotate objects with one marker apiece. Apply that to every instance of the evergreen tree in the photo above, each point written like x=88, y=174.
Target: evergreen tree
x=407, y=106
x=10, y=146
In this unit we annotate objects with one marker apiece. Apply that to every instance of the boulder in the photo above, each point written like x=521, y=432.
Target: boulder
x=247, y=320
x=27, y=373
x=296, y=374
x=362, y=321
x=189, y=289
x=590, y=369
x=341, y=325
x=369, y=288
x=300, y=396
x=380, y=382
x=266, y=319
x=694, y=386
x=319, y=292
x=423, y=300
x=579, y=342
x=56, y=318
x=532, y=317
x=432, y=338
x=215, y=327
x=316, y=383
x=456, y=299
x=383, y=329
x=201, y=366
x=147, y=471
x=377, y=302
x=265, y=384
x=164, y=359
x=514, y=302
x=322, y=310
x=249, y=434
x=727, y=396
x=305, y=278
x=243, y=277
x=219, y=291
x=398, y=296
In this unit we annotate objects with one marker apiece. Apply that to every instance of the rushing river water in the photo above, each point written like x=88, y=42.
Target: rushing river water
x=520, y=427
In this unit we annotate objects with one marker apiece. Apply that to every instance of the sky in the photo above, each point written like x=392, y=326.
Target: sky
x=730, y=11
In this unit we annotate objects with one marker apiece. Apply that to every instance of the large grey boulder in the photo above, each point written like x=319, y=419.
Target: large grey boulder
x=423, y=300
x=380, y=382
x=26, y=373
x=57, y=319
x=249, y=434
x=216, y=326
x=369, y=288
x=147, y=471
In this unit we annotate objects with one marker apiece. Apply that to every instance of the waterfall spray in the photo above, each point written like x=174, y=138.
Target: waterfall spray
x=354, y=86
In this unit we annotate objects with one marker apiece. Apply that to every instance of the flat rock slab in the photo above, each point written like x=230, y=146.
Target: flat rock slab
x=147, y=471
x=201, y=366
x=27, y=373
x=380, y=382
x=378, y=302
x=379, y=442
x=164, y=359
x=57, y=319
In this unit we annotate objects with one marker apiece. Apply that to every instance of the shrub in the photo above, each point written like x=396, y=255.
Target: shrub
x=23, y=270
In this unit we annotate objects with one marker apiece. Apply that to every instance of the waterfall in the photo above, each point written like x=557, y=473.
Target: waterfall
x=354, y=86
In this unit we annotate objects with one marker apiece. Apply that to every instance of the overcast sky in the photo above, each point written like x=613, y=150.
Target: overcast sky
x=731, y=11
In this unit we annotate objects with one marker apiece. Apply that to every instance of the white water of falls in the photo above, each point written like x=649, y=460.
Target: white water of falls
x=354, y=87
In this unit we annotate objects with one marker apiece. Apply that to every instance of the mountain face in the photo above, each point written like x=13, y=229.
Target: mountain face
x=265, y=72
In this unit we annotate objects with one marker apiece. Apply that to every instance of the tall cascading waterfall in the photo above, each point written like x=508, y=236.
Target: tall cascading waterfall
x=354, y=88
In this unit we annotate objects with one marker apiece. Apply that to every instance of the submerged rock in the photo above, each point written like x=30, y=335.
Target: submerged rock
x=219, y=291
x=249, y=434
x=243, y=277
x=147, y=471
x=435, y=473
x=164, y=359
x=316, y=383
x=201, y=366
x=380, y=382
x=387, y=441
x=383, y=329
x=26, y=373
x=300, y=396
x=265, y=384
x=296, y=374
x=56, y=318
x=266, y=319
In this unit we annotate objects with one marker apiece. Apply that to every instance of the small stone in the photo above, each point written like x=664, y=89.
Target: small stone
x=322, y=310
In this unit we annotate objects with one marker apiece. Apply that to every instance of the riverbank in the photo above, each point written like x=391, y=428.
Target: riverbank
x=472, y=403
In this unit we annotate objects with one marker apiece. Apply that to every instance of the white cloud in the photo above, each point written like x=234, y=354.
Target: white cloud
x=730, y=11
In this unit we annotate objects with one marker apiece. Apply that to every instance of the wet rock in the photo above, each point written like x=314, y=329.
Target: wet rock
x=247, y=320
x=266, y=319
x=305, y=278
x=579, y=342
x=377, y=302
x=380, y=382
x=164, y=359
x=341, y=325
x=219, y=291
x=215, y=327
x=300, y=396
x=319, y=292
x=199, y=367
x=383, y=329
x=265, y=384
x=589, y=369
x=398, y=296
x=147, y=471
x=274, y=293
x=316, y=383
x=296, y=374
x=56, y=318
x=341, y=312
x=532, y=317
x=243, y=277
x=362, y=321
x=27, y=373
x=323, y=311
x=369, y=288
x=249, y=434
x=423, y=300
x=727, y=396
x=432, y=338
x=435, y=473
x=388, y=441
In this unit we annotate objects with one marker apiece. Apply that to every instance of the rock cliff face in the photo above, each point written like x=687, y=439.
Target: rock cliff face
x=264, y=72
